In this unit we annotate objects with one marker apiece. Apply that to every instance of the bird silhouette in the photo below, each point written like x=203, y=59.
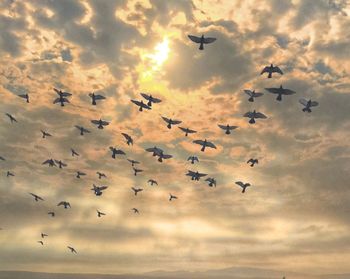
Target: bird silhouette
x=72, y=249
x=45, y=134
x=12, y=119
x=152, y=182
x=98, y=189
x=155, y=150
x=40, y=242
x=43, y=235
x=79, y=173
x=94, y=97
x=8, y=174
x=141, y=105
x=243, y=185
x=62, y=97
x=252, y=94
x=201, y=40
x=271, y=69
x=24, y=96
x=280, y=91
x=83, y=130
x=195, y=175
x=36, y=197
x=2, y=158
x=254, y=115
x=204, y=144
x=99, y=213
x=51, y=213
x=253, y=162
x=227, y=128
x=100, y=123
x=136, y=190
x=74, y=153
x=307, y=104
x=60, y=164
x=129, y=140
x=136, y=171
x=135, y=210
x=171, y=122
x=150, y=99
x=65, y=204
x=193, y=159
x=49, y=162
x=133, y=162
x=172, y=197
x=101, y=175
x=116, y=151
x=187, y=131
x=212, y=182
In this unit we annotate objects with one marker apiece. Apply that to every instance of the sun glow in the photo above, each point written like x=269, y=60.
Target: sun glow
x=161, y=53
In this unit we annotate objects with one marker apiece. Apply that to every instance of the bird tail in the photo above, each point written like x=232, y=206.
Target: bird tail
x=279, y=97
x=203, y=148
x=149, y=103
x=160, y=159
x=252, y=121
x=169, y=126
x=140, y=109
x=94, y=102
x=227, y=132
x=270, y=75
x=201, y=46
x=251, y=99
x=243, y=191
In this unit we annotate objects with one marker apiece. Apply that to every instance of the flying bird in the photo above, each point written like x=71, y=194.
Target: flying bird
x=254, y=115
x=51, y=213
x=243, y=185
x=129, y=140
x=45, y=134
x=136, y=190
x=204, y=144
x=141, y=105
x=193, y=159
x=155, y=150
x=252, y=162
x=162, y=156
x=136, y=171
x=227, y=128
x=98, y=189
x=150, y=99
x=65, y=204
x=307, y=104
x=195, y=175
x=116, y=151
x=72, y=249
x=212, y=181
x=99, y=213
x=2, y=158
x=252, y=94
x=133, y=162
x=101, y=174
x=280, y=91
x=187, y=131
x=94, y=97
x=201, y=40
x=100, y=123
x=12, y=119
x=152, y=181
x=36, y=197
x=271, y=69
x=79, y=173
x=135, y=210
x=74, y=153
x=43, y=235
x=49, y=162
x=83, y=130
x=172, y=197
x=62, y=97
x=24, y=96
x=41, y=242
x=60, y=164
x=171, y=122
x=8, y=174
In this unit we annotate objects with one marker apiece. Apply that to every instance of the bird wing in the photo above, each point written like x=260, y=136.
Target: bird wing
x=222, y=126
x=210, y=144
x=202, y=174
x=314, y=103
x=57, y=100
x=194, y=39
x=156, y=100
x=276, y=69
x=240, y=183
x=248, y=92
x=248, y=114
x=99, y=97
x=258, y=94
x=85, y=130
x=136, y=102
x=24, y=96
x=118, y=151
x=265, y=70
x=127, y=137
x=232, y=127
x=175, y=122
x=46, y=162
x=200, y=142
x=190, y=173
x=144, y=95
x=145, y=106
x=103, y=188
x=209, y=40
x=57, y=91
x=195, y=159
x=273, y=90
x=250, y=161
x=167, y=120
x=104, y=123
x=260, y=115
x=60, y=203
x=167, y=156
x=286, y=91
x=65, y=94
x=96, y=122
x=303, y=101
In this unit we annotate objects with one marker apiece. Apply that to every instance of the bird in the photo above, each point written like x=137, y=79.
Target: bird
x=51, y=213
x=65, y=204
x=150, y=99
x=41, y=242
x=155, y=150
x=152, y=181
x=141, y=105
x=133, y=162
x=62, y=97
x=45, y=134
x=100, y=123
x=253, y=162
x=162, y=156
x=204, y=144
x=252, y=94
x=201, y=40
x=243, y=185
x=254, y=115
x=82, y=129
x=271, y=69
x=72, y=249
x=195, y=175
x=193, y=159
x=171, y=122
x=129, y=140
x=307, y=104
x=99, y=213
x=49, y=162
x=36, y=197
x=116, y=151
x=135, y=210
x=136, y=190
x=24, y=96
x=100, y=175
x=172, y=197
x=94, y=97
x=227, y=128
x=2, y=158
x=8, y=174
x=136, y=171
x=98, y=189
x=280, y=91
x=43, y=235
x=12, y=119
x=74, y=153
x=212, y=181
x=79, y=173
x=60, y=164
x=187, y=131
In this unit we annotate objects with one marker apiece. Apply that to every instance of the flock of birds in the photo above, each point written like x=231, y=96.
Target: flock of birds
x=146, y=104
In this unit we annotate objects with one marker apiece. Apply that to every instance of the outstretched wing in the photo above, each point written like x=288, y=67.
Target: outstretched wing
x=248, y=92
x=286, y=91
x=303, y=101
x=200, y=142
x=209, y=40
x=136, y=102
x=104, y=123
x=276, y=69
x=156, y=100
x=240, y=183
x=222, y=126
x=167, y=156
x=175, y=122
x=273, y=90
x=202, y=174
x=147, y=97
x=260, y=115
x=314, y=103
x=57, y=100
x=126, y=136
x=210, y=144
x=195, y=39
x=265, y=70
x=190, y=173
x=258, y=94
x=96, y=122
x=103, y=188
x=248, y=114
x=118, y=151
x=99, y=97
x=167, y=120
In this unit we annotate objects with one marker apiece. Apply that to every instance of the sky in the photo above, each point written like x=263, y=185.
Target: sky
x=296, y=214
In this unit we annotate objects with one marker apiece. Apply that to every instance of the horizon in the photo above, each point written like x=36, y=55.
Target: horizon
x=277, y=194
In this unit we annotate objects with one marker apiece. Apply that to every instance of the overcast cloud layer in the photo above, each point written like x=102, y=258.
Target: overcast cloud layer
x=296, y=216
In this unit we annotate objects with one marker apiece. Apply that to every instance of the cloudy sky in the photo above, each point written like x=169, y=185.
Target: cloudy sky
x=296, y=215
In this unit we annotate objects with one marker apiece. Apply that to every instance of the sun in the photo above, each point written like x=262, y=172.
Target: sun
x=161, y=53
